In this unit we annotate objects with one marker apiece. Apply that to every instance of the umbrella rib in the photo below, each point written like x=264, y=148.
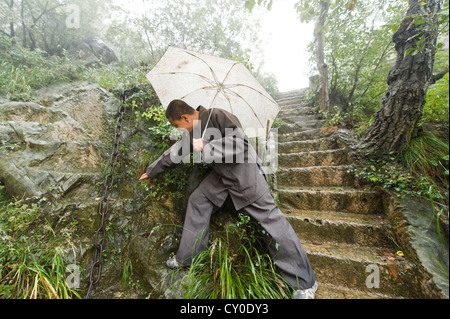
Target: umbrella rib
x=247, y=86
x=212, y=71
x=199, y=89
x=234, y=64
x=239, y=96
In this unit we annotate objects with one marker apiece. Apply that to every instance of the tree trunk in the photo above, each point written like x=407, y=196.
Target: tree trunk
x=320, y=57
x=408, y=80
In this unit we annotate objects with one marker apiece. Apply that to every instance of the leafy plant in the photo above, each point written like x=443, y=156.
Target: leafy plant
x=392, y=175
x=22, y=71
x=31, y=264
x=438, y=215
x=233, y=268
x=428, y=154
x=332, y=117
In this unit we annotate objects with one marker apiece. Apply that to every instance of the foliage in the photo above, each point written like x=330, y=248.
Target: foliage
x=332, y=117
x=428, y=155
x=23, y=71
x=415, y=180
x=115, y=77
x=436, y=107
x=31, y=263
x=233, y=268
x=221, y=28
x=392, y=175
x=359, y=52
x=215, y=27
x=174, y=181
x=52, y=25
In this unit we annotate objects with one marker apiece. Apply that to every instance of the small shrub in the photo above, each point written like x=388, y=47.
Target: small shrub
x=233, y=268
x=31, y=265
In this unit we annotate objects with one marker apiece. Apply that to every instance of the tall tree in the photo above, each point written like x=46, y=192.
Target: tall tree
x=319, y=29
x=408, y=80
x=307, y=12
x=43, y=24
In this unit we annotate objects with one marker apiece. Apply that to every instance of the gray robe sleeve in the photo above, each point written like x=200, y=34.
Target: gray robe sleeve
x=171, y=157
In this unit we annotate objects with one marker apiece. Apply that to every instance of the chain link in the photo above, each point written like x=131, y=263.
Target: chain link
x=100, y=234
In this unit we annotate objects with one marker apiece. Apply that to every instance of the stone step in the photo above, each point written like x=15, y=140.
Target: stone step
x=296, y=92
x=319, y=176
x=294, y=110
x=315, y=158
x=295, y=127
x=339, y=227
x=288, y=102
x=330, y=291
x=321, y=144
x=301, y=120
x=312, y=134
x=339, y=199
x=357, y=267
x=289, y=97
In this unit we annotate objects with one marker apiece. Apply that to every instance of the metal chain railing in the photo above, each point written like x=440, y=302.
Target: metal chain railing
x=100, y=234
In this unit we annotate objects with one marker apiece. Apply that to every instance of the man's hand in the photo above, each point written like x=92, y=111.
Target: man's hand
x=198, y=144
x=144, y=176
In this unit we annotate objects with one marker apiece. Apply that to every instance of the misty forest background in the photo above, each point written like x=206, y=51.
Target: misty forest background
x=40, y=41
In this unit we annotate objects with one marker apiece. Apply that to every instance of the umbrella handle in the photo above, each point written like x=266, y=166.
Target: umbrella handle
x=207, y=122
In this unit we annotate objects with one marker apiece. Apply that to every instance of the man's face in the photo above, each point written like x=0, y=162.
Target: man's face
x=185, y=122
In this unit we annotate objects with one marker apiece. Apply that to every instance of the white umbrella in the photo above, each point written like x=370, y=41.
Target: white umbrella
x=213, y=82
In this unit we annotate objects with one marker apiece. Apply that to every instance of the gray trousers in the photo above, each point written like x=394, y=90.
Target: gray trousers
x=284, y=246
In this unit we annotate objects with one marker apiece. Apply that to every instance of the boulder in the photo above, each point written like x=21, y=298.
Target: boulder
x=92, y=51
x=55, y=146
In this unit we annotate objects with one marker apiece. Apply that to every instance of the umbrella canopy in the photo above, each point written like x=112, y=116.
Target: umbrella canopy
x=213, y=82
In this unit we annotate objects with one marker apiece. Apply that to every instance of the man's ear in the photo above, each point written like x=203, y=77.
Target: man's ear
x=184, y=117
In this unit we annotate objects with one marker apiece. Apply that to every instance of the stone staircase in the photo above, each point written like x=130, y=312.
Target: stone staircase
x=340, y=222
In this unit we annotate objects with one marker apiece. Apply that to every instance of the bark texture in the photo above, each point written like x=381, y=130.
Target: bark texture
x=320, y=57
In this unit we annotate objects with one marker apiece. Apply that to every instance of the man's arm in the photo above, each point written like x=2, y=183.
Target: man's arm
x=169, y=158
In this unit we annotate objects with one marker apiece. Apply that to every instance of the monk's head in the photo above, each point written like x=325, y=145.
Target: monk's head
x=181, y=115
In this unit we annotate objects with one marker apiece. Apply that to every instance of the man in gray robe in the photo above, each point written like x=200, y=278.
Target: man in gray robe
x=219, y=136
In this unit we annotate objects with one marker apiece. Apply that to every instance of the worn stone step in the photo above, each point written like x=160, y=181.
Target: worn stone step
x=360, y=267
x=312, y=134
x=295, y=127
x=315, y=158
x=340, y=199
x=320, y=144
x=287, y=100
x=295, y=110
x=339, y=227
x=316, y=176
x=329, y=291
x=294, y=118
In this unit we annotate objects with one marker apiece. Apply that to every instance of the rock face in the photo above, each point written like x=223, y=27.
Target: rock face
x=55, y=147
x=54, y=150
x=93, y=51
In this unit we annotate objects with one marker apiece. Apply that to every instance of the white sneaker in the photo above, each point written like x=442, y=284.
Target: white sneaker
x=172, y=263
x=305, y=293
